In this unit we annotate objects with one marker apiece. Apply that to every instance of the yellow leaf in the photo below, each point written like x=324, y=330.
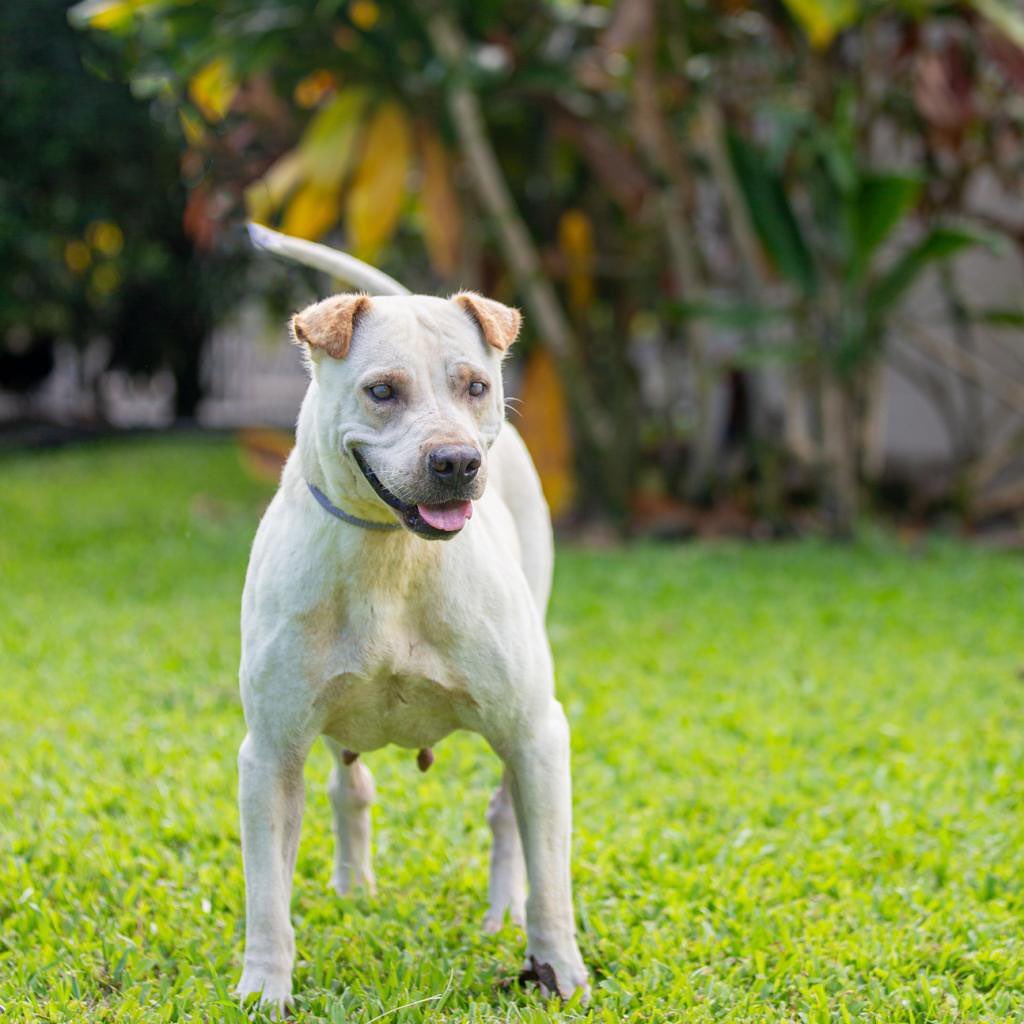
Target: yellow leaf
x=106, y=15
x=327, y=142
x=576, y=240
x=213, y=89
x=545, y=429
x=191, y=126
x=321, y=160
x=378, y=189
x=364, y=14
x=823, y=20
x=77, y=256
x=442, y=214
x=105, y=279
x=267, y=194
x=313, y=88
x=312, y=212
x=112, y=17
x=105, y=237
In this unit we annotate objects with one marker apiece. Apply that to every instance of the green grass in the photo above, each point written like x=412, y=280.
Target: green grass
x=799, y=778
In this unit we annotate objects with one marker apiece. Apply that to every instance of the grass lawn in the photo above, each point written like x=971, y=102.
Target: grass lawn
x=799, y=778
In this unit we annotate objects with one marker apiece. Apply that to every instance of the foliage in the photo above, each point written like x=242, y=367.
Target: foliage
x=853, y=238
x=354, y=76
x=797, y=778
x=672, y=167
x=91, y=207
x=854, y=211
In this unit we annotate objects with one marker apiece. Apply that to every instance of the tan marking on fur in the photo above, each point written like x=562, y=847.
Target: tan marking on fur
x=328, y=325
x=498, y=323
x=321, y=626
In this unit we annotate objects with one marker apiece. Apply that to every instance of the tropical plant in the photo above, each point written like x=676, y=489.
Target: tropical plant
x=370, y=118
x=639, y=176
x=864, y=82
x=833, y=252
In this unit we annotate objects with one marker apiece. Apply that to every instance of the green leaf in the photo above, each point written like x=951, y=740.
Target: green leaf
x=938, y=244
x=881, y=203
x=836, y=142
x=739, y=315
x=774, y=353
x=1013, y=318
x=771, y=214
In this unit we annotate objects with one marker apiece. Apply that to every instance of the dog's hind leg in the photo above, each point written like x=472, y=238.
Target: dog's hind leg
x=507, y=889
x=352, y=792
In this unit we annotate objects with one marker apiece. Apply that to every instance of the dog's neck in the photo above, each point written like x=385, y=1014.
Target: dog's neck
x=395, y=562
x=391, y=564
x=335, y=475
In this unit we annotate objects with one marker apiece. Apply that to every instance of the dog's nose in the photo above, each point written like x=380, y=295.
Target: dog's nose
x=454, y=463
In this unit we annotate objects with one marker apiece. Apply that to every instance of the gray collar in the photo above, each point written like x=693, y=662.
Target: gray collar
x=346, y=517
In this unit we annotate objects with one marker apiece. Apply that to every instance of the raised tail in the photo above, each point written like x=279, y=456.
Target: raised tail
x=338, y=264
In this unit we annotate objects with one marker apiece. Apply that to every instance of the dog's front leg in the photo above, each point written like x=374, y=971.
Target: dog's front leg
x=542, y=792
x=271, y=794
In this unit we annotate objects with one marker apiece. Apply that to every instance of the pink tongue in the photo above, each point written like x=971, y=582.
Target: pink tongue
x=450, y=517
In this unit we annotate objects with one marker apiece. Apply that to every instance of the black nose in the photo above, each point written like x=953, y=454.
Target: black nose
x=454, y=463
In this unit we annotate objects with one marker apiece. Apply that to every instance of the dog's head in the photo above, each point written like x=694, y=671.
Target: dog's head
x=408, y=399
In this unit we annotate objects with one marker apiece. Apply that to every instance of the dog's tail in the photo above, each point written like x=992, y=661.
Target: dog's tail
x=322, y=257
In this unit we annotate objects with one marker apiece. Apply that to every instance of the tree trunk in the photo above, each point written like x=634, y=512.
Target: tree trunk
x=635, y=27
x=688, y=284
x=838, y=458
x=769, y=433
x=795, y=429
x=518, y=246
x=873, y=432
x=594, y=427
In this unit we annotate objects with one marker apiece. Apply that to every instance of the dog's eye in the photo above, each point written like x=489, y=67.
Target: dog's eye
x=381, y=392
x=477, y=388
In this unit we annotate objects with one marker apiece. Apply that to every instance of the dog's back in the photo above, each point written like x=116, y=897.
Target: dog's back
x=516, y=479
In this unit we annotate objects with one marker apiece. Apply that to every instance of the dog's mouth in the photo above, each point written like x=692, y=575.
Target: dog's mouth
x=439, y=521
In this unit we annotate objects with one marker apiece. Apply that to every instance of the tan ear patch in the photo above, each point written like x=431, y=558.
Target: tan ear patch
x=328, y=325
x=498, y=323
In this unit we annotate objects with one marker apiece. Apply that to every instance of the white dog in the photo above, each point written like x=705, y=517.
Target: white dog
x=357, y=625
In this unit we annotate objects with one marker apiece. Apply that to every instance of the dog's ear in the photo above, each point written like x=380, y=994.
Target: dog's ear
x=327, y=326
x=498, y=323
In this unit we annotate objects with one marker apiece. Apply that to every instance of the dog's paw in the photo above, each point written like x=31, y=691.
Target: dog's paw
x=494, y=919
x=344, y=883
x=557, y=975
x=274, y=989
x=493, y=922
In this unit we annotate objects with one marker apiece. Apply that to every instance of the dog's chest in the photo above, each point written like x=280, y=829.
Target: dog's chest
x=386, y=674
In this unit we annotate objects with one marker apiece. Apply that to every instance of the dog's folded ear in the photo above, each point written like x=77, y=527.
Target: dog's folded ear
x=328, y=325
x=498, y=323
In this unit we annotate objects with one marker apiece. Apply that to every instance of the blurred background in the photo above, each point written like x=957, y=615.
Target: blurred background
x=771, y=255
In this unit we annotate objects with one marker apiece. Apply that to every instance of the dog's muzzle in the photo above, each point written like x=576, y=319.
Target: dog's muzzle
x=452, y=467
